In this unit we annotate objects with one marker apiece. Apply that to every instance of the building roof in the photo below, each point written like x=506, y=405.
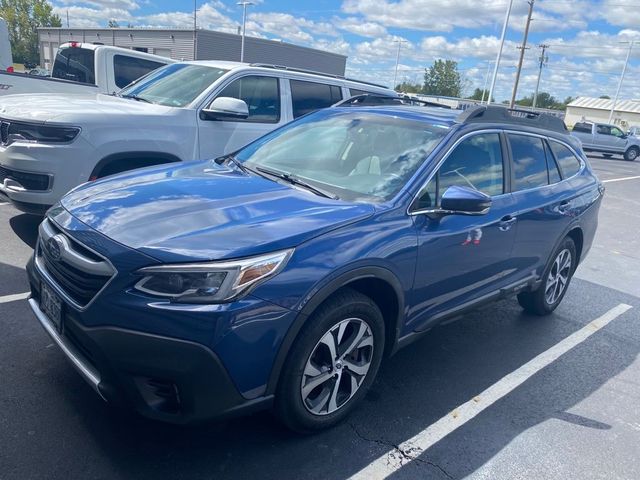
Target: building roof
x=631, y=106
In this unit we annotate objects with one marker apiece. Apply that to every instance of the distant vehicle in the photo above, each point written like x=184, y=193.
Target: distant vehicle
x=184, y=111
x=606, y=139
x=6, y=59
x=85, y=68
x=283, y=275
x=634, y=131
x=40, y=72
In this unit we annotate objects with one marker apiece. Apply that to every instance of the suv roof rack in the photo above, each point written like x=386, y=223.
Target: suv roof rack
x=369, y=100
x=425, y=103
x=514, y=116
x=314, y=72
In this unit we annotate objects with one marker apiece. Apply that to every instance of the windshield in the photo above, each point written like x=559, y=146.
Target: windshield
x=353, y=155
x=175, y=85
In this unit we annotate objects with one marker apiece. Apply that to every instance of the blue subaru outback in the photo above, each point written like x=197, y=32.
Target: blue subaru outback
x=282, y=275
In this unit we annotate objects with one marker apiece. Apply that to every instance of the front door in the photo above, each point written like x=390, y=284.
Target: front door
x=462, y=258
x=611, y=137
x=266, y=112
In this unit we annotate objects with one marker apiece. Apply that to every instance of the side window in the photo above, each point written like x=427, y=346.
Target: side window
x=582, y=127
x=529, y=162
x=309, y=96
x=615, y=131
x=569, y=164
x=552, y=167
x=603, y=129
x=261, y=94
x=354, y=91
x=127, y=69
x=476, y=162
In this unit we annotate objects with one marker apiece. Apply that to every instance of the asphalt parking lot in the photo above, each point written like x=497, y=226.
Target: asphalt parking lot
x=497, y=395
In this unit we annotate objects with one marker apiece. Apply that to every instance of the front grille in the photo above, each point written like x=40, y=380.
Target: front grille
x=4, y=132
x=30, y=181
x=80, y=285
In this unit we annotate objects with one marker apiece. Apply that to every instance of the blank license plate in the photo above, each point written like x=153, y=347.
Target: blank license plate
x=51, y=305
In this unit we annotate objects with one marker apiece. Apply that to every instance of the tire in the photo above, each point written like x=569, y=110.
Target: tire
x=304, y=401
x=550, y=293
x=631, y=154
x=607, y=155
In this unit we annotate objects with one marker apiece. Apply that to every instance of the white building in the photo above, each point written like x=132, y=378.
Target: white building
x=626, y=114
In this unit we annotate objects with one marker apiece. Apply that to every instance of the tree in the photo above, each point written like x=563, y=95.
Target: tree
x=478, y=95
x=113, y=24
x=443, y=78
x=23, y=18
x=408, y=87
x=544, y=100
x=606, y=97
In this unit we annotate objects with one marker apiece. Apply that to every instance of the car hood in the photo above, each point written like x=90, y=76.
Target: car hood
x=69, y=108
x=201, y=211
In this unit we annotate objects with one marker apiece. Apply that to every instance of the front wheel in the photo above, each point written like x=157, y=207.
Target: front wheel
x=332, y=363
x=631, y=154
x=556, y=278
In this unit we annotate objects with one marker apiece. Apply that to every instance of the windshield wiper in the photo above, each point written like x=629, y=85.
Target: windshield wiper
x=135, y=97
x=292, y=179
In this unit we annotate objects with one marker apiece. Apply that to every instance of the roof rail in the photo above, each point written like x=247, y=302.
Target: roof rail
x=425, y=103
x=368, y=100
x=314, y=72
x=515, y=116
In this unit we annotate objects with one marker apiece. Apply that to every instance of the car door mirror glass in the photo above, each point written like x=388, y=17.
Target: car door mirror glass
x=225, y=108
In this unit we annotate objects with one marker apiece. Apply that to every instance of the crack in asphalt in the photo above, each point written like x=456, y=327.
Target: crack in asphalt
x=399, y=455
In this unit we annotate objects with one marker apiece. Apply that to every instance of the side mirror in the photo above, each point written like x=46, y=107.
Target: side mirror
x=225, y=108
x=464, y=201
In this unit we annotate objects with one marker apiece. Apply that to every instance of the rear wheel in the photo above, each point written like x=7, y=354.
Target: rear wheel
x=631, y=154
x=332, y=363
x=556, y=279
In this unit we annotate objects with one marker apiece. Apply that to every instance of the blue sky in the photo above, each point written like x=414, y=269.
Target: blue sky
x=586, y=37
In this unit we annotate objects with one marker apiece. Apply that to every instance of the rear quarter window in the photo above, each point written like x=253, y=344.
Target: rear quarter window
x=582, y=127
x=567, y=161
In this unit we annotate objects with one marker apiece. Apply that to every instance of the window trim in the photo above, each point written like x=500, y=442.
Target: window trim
x=552, y=158
x=582, y=162
x=506, y=168
x=246, y=120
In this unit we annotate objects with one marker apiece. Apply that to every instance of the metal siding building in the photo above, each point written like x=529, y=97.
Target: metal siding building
x=626, y=114
x=179, y=44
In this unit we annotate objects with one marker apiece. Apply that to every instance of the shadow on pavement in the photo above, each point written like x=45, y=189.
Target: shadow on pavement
x=25, y=226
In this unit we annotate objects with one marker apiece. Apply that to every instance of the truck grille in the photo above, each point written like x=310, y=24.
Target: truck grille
x=4, y=132
x=77, y=271
x=30, y=181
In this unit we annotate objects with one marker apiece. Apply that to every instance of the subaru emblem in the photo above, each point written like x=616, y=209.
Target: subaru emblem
x=53, y=248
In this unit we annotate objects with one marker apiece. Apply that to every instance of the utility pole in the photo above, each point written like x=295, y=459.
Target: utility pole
x=504, y=32
x=195, y=24
x=522, y=49
x=244, y=24
x=543, y=60
x=624, y=70
x=395, y=75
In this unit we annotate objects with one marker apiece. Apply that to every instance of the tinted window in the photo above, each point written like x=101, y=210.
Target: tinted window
x=529, y=162
x=603, y=129
x=354, y=91
x=75, y=64
x=128, y=69
x=569, y=164
x=582, y=127
x=475, y=163
x=309, y=96
x=552, y=167
x=261, y=94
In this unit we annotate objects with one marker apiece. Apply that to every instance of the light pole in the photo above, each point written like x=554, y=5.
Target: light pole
x=244, y=23
x=624, y=70
x=486, y=80
x=195, y=23
x=504, y=33
x=395, y=75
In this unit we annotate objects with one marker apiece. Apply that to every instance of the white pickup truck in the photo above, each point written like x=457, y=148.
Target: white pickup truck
x=183, y=111
x=85, y=68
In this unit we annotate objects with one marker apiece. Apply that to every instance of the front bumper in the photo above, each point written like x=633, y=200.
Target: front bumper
x=163, y=378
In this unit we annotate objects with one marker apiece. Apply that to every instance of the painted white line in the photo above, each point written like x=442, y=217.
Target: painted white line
x=4, y=203
x=14, y=297
x=621, y=179
x=411, y=449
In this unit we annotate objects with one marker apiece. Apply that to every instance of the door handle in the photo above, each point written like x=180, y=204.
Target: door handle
x=507, y=222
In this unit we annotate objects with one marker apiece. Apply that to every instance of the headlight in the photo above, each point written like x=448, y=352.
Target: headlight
x=18, y=131
x=211, y=282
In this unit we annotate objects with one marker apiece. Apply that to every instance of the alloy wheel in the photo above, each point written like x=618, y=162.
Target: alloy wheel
x=558, y=277
x=337, y=366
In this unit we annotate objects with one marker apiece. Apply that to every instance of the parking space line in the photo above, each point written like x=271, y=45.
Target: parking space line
x=411, y=449
x=621, y=179
x=14, y=297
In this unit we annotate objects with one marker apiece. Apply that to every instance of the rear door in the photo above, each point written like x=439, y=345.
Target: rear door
x=543, y=198
x=307, y=97
x=262, y=95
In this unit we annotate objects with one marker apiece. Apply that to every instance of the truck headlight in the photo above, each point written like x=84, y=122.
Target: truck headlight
x=32, y=132
x=211, y=282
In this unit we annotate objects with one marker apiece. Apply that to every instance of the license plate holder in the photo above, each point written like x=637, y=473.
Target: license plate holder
x=51, y=305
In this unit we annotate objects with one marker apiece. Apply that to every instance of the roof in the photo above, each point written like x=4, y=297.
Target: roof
x=631, y=106
x=441, y=116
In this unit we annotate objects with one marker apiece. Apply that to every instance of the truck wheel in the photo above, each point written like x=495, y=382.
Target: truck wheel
x=632, y=154
x=332, y=364
x=607, y=155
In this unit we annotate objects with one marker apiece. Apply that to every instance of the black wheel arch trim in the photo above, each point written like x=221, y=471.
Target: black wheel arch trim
x=323, y=292
x=157, y=158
